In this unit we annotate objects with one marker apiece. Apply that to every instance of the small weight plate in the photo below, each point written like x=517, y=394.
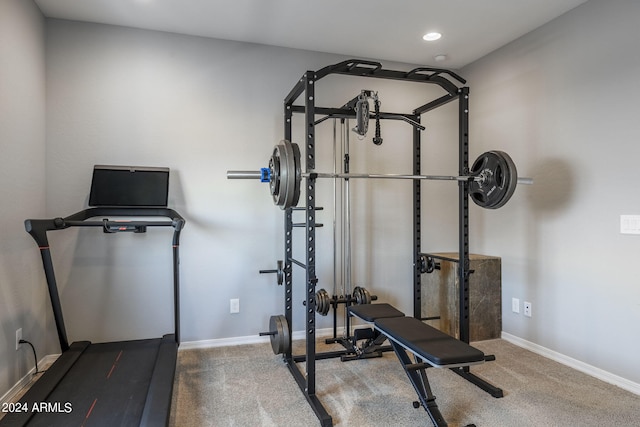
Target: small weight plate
x=323, y=302
x=281, y=338
x=280, y=272
x=361, y=295
x=367, y=295
x=357, y=295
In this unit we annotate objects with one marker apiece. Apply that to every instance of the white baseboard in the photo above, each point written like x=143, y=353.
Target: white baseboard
x=251, y=339
x=603, y=375
x=24, y=381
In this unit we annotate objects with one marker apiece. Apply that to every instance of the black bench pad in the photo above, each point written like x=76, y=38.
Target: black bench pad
x=371, y=312
x=434, y=346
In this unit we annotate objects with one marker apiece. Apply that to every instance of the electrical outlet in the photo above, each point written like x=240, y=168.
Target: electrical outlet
x=630, y=224
x=234, y=305
x=18, y=338
x=515, y=305
x=527, y=308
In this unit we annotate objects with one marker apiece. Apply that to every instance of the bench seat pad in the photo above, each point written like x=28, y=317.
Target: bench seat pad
x=428, y=342
x=371, y=312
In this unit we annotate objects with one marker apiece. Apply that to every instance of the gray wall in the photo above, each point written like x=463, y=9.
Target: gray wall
x=563, y=101
x=201, y=107
x=23, y=301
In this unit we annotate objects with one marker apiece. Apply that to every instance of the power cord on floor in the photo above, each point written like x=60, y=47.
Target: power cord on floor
x=35, y=358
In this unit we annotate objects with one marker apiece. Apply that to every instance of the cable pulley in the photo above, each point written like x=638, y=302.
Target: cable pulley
x=492, y=178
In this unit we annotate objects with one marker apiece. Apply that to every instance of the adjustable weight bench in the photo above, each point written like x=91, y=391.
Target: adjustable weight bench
x=429, y=346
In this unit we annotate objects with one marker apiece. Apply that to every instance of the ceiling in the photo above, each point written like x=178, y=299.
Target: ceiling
x=389, y=30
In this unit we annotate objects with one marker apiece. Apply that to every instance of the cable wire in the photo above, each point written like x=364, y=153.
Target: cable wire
x=35, y=358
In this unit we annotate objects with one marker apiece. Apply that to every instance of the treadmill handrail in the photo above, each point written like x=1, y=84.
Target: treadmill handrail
x=38, y=229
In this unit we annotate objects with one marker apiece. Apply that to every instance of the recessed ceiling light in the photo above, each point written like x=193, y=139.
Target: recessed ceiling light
x=431, y=36
x=440, y=58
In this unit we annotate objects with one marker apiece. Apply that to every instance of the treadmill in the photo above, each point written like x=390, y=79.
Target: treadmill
x=125, y=383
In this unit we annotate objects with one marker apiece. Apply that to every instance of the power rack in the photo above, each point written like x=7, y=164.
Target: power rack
x=453, y=86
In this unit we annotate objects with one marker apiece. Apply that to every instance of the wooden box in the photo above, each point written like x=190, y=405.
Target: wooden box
x=440, y=296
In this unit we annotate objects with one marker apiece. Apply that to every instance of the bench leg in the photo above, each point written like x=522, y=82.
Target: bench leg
x=474, y=379
x=418, y=378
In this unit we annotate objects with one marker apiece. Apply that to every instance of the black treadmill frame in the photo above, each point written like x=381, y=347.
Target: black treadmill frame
x=158, y=400
x=306, y=86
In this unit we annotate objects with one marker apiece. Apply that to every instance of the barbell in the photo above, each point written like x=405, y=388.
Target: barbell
x=492, y=178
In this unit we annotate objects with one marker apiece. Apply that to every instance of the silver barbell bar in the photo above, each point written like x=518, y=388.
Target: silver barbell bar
x=492, y=179
x=244, y=174
x=259, y=175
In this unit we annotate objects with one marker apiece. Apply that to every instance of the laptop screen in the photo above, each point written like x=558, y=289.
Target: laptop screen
x=129, y=186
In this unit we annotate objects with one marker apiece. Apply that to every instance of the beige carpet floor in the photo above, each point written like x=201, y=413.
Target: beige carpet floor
x=250, y=386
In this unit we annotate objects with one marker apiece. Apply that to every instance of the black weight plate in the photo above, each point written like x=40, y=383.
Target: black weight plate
x=298, y=174
x=280, y=272
x=430, y=265
x=281, y=337
x=274, y=166
x=323, y=302
x=278, y=177
x=367, y=295
x=361, y=295
x=498, y=179
x=288, y=174
x=318, y=301
x=357, y=295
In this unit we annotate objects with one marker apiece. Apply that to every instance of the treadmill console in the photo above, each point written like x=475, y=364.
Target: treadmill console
x=129, y=186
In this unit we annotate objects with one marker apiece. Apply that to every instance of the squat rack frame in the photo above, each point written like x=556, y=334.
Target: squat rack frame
x=306, y=86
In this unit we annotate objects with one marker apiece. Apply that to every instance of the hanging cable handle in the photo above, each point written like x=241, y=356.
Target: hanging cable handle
x=377, y=139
